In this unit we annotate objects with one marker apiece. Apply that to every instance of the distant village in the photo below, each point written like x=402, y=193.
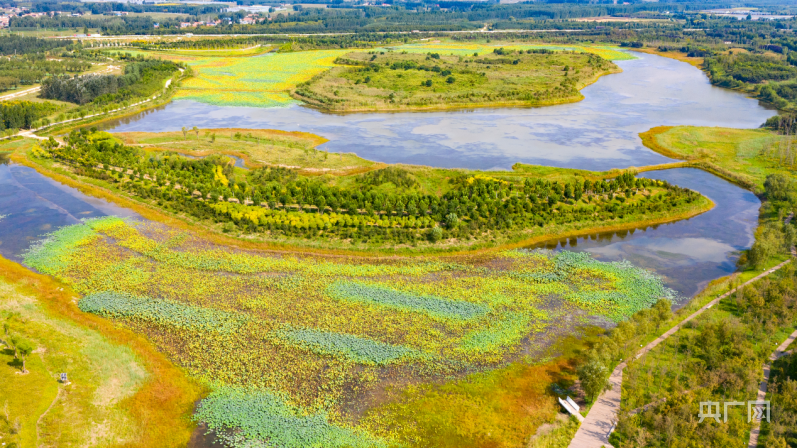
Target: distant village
x=260, y=16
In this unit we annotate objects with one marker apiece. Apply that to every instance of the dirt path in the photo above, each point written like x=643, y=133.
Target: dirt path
x=57, y=396
x=11, y=96
x=599, y=423
x=762, y=389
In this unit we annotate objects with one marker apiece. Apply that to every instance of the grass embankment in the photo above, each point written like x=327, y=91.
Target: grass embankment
x=257, y=147
x=255, y=50
x=123, y=391
x=408, y=185
x=742, y=156
x=38, y=409
x=674, y=54
x=381, y=81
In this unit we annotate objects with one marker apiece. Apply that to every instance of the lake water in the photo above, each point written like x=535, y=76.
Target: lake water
x=687, y=253
x=33, y=205
x=598, y=133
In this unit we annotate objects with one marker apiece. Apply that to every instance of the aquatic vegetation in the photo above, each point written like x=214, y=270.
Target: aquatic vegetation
x=289, y=342
x=357, y=349
x=433, y=306
x=260, y=81
x=160, y=312
x=261, y=417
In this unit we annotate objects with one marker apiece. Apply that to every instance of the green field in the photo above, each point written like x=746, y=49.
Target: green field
x=746, y=156
x=377, y=80
x=292, y=341
x=51, y=413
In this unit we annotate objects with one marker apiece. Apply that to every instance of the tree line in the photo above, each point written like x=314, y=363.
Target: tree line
x=277, y=201
x=141, y=78
x=18, y=45
x=23, y=114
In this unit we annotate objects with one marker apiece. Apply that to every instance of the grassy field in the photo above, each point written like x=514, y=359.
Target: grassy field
x=50, y=413
x=348, y=348
x=122, y=392
x=258, y=147
x=481, y=48
x=677, y=55
x=745, y=156
x=390, y=80
x=233, y=52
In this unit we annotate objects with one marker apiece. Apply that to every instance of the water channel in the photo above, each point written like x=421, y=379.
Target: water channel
x=597, y=133
x=600, y=132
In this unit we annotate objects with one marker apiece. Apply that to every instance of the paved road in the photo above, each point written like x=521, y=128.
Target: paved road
x=597, y=426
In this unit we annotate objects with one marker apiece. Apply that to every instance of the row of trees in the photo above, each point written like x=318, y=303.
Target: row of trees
x=18, y=45
x=275, y=199
x=108, y=7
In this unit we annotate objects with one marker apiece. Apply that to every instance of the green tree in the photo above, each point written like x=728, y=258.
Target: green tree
x=662, y=311
x=594, y=377
x=434, y=234
x=452, y=220
x=24, y=348
x=769, y=241
x=780, y=187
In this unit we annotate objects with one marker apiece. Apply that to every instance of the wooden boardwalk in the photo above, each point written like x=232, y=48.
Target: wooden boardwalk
x=600, y=421
x=762, y=389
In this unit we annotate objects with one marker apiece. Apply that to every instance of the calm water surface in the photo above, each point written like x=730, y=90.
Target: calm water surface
x=33, y=205
x=686, y=253
x=598, y=133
